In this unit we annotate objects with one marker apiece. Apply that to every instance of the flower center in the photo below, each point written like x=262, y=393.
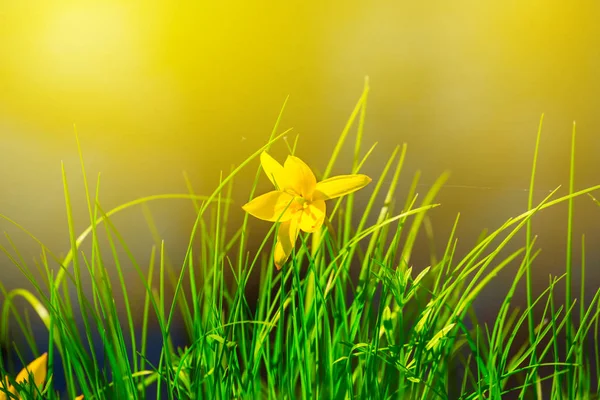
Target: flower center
x=303, y=202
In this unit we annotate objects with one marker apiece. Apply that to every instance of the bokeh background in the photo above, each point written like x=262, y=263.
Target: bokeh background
x=158, y=88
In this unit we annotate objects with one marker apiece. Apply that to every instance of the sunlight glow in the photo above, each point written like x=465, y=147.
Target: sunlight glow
x=88, y=41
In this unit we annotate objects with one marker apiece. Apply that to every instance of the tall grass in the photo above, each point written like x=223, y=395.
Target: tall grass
x=314, y=331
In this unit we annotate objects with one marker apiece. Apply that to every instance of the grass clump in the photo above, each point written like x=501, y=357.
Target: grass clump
x=315, y=330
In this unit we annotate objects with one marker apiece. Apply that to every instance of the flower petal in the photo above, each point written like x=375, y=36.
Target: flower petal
x=286, y=239
x=279, y=256
x=313, y=216
x=300, y=177
x=5, y=386
x=271, y=206
x=340, y=185
x=273, y=170
x=37, y=368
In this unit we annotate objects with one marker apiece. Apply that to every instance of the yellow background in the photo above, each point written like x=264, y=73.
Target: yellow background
x=157, y=88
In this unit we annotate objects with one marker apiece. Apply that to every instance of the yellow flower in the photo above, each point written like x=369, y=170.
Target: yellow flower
x=37, y=368
x=298, y=202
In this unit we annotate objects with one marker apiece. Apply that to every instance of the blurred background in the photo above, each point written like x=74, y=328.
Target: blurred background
x=158, y=88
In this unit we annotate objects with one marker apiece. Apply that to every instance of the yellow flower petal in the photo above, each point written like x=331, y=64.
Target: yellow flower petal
x=300, y=177
x=279, y=255
x=286, y=239
x=313, y=216
x=37, y=368
x=270, y=206
x=5, y=386
x=273, y=170
x=340, y=185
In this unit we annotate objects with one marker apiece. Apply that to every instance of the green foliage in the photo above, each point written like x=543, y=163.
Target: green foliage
x=314, y=331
